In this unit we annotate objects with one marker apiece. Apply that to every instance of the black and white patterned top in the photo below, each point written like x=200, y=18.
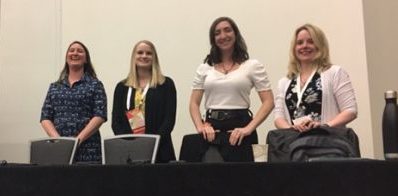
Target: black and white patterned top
x=311, y=103
x=71, y=108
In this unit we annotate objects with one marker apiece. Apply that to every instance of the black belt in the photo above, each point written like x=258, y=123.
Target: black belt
x=225, y=114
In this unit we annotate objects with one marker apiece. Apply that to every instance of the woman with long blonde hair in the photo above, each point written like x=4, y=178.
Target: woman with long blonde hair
x=315, y=92
x=145, y=102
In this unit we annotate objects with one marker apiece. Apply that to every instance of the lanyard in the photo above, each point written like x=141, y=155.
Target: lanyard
x=300, y=91
x=129, y=95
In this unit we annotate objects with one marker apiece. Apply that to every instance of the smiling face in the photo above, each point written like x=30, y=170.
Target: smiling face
x=305, y=49
x=143, y=56
x=224, y=36
x=76, y=55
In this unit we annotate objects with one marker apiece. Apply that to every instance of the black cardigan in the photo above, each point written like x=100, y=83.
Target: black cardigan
x=160, y=114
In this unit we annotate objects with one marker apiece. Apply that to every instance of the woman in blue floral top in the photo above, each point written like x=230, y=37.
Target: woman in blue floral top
x=76, y=105
x=315, y=92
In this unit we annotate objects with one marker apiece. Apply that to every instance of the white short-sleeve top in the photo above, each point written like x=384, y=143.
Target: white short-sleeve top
x=231, y=90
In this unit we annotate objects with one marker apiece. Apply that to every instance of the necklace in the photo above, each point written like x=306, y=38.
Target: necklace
x=302, y=82
x=227, y=68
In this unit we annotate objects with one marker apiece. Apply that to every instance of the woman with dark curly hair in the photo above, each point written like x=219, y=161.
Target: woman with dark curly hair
x=226, y=79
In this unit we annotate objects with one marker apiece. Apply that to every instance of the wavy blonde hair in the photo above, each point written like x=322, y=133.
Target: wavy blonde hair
x=157, y=77
x=321, y=60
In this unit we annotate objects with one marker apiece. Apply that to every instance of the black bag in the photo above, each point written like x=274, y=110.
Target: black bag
x=278, y=144
x=323, y=142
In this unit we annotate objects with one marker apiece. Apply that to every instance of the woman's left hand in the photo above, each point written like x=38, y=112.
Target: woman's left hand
x=79, y=139
x=306, y=126
x=237, y=136
x=313, y=124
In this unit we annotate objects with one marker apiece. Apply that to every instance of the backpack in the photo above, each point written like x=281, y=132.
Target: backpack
x=319, y=143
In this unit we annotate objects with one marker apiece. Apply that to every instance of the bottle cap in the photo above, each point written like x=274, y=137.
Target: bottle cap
x=390, y=94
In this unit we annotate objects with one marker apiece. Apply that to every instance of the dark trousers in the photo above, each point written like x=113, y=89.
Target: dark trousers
x=194, y=146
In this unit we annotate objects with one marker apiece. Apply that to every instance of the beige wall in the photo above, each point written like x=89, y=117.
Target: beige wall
x=381, y=32
x=35, y=34
x=29, y=59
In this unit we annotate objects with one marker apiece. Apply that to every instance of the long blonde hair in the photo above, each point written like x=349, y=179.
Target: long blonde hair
x=157, y=77
x=321, y=60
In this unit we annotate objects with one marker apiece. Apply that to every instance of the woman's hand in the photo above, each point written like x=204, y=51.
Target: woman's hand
x=237, y=135
x=207, y=131
x=306, y=125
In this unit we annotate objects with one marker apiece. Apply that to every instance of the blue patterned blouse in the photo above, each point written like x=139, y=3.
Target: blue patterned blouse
x=71, y=108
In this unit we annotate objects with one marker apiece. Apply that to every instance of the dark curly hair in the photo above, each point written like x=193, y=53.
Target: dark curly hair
x=239, y=54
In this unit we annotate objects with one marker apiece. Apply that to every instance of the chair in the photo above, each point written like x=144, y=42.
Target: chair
x=212, y=155
x=53, y=151
x=130, y=149
x=195, y=149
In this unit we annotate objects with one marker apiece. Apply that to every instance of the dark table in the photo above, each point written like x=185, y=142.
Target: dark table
x=337, y=178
